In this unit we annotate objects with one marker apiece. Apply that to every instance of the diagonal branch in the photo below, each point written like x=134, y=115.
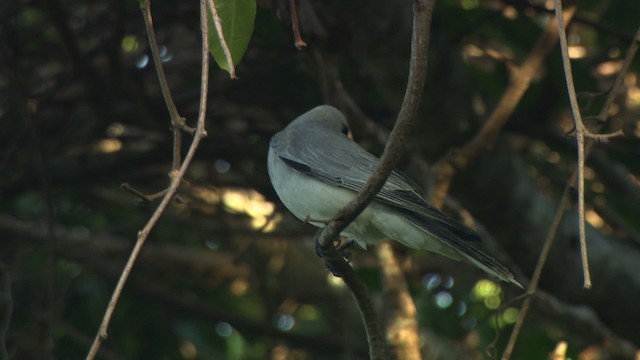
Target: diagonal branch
x=422, y=12
x=144, y=233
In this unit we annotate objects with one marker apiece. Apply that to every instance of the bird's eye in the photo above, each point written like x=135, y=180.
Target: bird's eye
x=345, y=130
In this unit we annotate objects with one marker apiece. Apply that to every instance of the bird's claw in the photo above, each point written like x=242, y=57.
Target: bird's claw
x=340, y=247
x=309, y=219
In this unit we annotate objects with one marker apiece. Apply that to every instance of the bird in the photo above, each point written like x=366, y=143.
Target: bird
x=316, y=169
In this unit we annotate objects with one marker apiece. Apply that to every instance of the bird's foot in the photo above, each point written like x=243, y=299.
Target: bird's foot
x=340, y=247
x=309, y=219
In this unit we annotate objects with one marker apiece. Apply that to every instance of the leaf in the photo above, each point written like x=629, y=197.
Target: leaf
x=237, y=18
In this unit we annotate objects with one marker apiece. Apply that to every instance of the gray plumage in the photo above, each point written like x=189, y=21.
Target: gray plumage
x=316, y=169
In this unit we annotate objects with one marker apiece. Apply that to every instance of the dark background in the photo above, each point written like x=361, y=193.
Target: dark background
x=81, y=112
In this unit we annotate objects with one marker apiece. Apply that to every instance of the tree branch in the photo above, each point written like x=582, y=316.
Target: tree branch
x=422, y=10
x=401, y=323
x=581, y=133
x=223, y=43
x=144, y=233
x=298, y=42
x=177, y=122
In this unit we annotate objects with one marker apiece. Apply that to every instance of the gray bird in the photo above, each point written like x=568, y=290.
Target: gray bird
x=316, y=170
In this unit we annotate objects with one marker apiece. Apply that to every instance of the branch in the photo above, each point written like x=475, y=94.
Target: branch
x=581, y=133
x=177, y=121
x=299, y=43
x=535, y=279
x=564, y=201
x=400, y=314
x=142, y=235
x=521, y=77
x=223, y=43
x=422, y=10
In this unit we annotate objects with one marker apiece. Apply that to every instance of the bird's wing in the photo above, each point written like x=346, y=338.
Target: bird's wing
x=344, y=163
x=338, y=161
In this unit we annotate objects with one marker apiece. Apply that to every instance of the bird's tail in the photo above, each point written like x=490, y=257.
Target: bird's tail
x=463, y=248
x=485, y=262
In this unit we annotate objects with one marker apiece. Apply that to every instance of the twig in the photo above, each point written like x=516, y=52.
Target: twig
x=588, y=20
x=6, y=299
x=177, y=122
x=581, y=133
x=400, y=314
x=143, y=198
x=299, y=43
x=564, y=201
x=422, y=10
x=535, y=279
x=144, y=233
x=521, y=77
x=223, y=43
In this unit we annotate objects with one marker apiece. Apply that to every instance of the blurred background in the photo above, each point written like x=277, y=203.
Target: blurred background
x=231, y=274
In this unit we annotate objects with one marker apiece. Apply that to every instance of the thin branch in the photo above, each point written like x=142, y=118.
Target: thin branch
x=588, y=20
x=142, y=196
x=581, y=133
x=521, y=77
x=223, y=43
x=564, y=201
x=143, y=199
x=618, y=83
x=177, y=122
x=144, y=233
x=422, y=10
x=400, y=314
x=299, y=43
x=404, y=124
x=535, y=279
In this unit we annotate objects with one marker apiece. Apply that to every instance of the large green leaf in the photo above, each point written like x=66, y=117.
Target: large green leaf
x=237, y=17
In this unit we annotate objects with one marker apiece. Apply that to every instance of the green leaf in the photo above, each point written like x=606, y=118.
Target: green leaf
x=237, y=17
